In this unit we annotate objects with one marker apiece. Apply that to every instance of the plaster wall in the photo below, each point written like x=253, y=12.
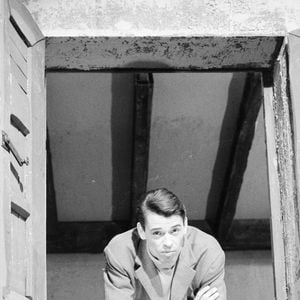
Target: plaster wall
x=83, y=142
x=193, y=122
x=248, y=276
x=164, y=17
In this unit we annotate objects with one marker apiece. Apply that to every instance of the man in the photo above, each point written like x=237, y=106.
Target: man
x=163, y=258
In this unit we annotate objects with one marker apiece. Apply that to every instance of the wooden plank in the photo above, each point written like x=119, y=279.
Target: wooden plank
x=19, y=76
x=249, y=110
x=142, y=125
x=20, y=210
x=12, y=295
x=188, y=53
x=17, y=40
x=17, y=57
x=294, y=78
x=281, y=172
x=19, y=103
x=25, y=22
x=274, y=192
x=17, y=279
x=37, y=95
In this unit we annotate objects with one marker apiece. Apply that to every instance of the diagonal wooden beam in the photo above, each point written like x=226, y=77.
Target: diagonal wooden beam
x=250, y=106
x=51, y=199
x=141, y=136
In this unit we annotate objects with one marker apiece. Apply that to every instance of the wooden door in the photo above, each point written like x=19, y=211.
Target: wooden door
x=22, y=158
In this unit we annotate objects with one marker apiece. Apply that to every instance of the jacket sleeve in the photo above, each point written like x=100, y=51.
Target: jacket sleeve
x=117, y=283
x=214, y=275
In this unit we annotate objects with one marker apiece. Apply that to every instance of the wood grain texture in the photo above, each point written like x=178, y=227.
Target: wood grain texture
x=282, y=180
x=141, y=137
x=161, y=53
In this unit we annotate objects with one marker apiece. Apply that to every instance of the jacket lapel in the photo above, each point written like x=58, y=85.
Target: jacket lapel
x=148, y=276
x=147, y=273
x=184, y=273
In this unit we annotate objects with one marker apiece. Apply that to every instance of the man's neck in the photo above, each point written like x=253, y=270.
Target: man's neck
x=162, y=266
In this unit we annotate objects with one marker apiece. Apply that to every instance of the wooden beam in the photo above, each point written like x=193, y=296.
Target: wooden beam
x=279, y=116
x=142, y=125
x=51, y=197
x=248, y=234
x=250, y=106
x=80, y=237
x=186, y=53
x=92, y=237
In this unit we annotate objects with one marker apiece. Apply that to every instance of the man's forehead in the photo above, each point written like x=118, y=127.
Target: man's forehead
x=155, y=221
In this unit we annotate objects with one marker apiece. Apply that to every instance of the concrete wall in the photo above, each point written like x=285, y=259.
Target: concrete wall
x=165, y=17
x=248, y=276
x=193, y=122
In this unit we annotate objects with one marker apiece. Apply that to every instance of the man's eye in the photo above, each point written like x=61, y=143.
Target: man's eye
x=157, y=233
x=175, y=231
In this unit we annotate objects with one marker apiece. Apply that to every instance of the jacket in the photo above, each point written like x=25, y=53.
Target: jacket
x=130, y=273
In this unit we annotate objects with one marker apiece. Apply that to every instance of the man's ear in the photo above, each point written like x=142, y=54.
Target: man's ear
x=185, y=223
x=141, y=231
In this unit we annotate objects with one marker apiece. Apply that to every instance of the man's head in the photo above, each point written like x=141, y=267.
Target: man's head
x=162, y=223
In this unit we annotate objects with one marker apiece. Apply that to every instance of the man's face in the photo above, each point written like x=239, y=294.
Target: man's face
x=164, y=236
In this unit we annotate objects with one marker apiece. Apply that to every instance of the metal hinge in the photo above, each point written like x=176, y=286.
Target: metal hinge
x=8, y=146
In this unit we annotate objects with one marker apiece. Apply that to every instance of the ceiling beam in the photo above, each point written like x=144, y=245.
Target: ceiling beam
x=141, y=137
x=250, y=106
x=201, y=53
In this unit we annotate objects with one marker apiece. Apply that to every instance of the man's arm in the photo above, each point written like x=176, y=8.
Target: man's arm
x=117, y=283
x=214, y=276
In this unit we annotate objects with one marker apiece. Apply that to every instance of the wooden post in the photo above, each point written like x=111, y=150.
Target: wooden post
x=142, y=124
x=52, y=221
x=282, y=181
x=250, y=107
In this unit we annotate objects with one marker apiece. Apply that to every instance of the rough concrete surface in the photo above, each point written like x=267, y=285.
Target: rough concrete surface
x=164, y=17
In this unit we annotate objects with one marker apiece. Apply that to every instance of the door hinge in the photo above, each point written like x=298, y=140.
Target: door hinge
x=8, y=146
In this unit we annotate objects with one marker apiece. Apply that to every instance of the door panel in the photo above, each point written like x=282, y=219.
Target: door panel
x=23, y=155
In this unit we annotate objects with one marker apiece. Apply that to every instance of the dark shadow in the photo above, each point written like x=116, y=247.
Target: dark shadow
x=122, y=89
x=228, y=129
x=52, y=221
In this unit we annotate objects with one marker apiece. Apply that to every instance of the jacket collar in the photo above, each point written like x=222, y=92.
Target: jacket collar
x=147, y=273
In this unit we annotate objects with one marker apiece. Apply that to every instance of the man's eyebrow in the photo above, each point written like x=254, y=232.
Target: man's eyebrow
x=160, y=228
x=155, y=228
x=177, y=225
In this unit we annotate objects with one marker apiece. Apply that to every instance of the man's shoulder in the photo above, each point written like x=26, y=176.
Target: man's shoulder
x=123, y=245
x=202, y=242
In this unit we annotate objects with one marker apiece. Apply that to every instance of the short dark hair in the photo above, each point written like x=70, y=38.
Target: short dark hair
x=160, y=201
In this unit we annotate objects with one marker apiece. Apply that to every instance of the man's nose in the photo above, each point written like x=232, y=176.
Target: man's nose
x=167, y=241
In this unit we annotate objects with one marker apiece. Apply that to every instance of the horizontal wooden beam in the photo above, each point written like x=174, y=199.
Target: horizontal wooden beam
x=248, y=234
x=92, y=237
x=201, y=53
x=80, y=237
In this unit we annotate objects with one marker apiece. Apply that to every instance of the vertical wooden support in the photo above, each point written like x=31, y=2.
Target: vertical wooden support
x=294, y=79
x=249, y=110
x=282, y=181
x=52, y=221
x=142, y=124
x=38, y=98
